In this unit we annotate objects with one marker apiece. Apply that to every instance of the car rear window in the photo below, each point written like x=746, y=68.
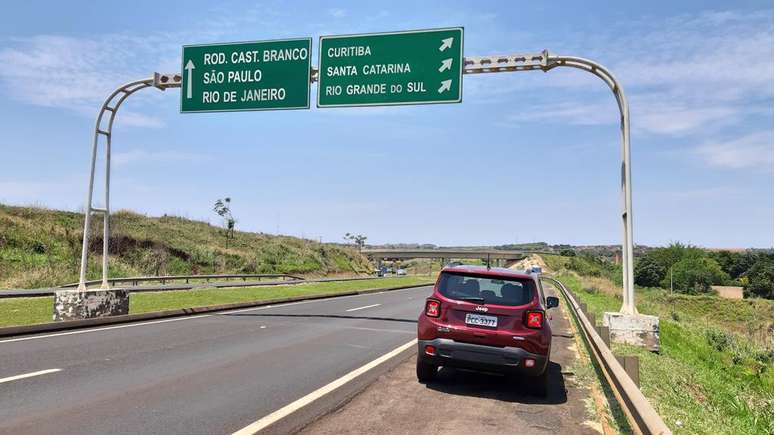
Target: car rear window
x=486, y=289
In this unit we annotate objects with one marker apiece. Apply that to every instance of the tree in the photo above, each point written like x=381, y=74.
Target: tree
x=760, y=279
x=356, y=239
x=735, y=263
x=648, y=272
x=223, y=208
x=695, y=275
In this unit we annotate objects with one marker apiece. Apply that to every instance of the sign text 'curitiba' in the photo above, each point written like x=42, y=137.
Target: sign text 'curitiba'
x=414, y=67
x=263, y=75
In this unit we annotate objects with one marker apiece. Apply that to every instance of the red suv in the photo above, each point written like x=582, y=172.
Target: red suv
x=486, y=319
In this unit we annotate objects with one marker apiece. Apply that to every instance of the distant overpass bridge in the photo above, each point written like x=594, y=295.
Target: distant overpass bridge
x=498, y=256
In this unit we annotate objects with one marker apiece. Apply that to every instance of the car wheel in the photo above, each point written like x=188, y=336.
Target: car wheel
x=426, y=372
x=539, y=384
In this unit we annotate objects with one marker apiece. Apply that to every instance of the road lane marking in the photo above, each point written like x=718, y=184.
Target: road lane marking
x=320, y=392
x=197, y=316
x=28, y=375
x=108, y=328
x=362, y=308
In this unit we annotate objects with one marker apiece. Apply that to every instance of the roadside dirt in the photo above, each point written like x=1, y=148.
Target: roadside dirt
x=461, y=402
x=531, y=260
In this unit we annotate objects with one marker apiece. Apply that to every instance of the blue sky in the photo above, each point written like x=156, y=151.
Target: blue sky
x=526, y=156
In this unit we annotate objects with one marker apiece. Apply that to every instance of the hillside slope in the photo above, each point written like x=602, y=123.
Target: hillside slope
x=714, y=372
x=41, y=247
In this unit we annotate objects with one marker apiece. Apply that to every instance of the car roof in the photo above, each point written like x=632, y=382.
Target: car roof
x=489, y=271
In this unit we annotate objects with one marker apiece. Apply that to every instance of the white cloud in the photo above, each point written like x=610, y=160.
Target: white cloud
x=682, y=74
x=141, y=156
x=753, y=151
x=136, y=119
x=78, y=73
x=62, y=193
x=337, y=12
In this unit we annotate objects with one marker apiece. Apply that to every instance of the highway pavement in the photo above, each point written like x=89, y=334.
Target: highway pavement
x=206, y=374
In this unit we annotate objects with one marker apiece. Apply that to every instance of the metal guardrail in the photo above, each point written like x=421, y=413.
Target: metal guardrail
x=640, y=413
x=163, y=279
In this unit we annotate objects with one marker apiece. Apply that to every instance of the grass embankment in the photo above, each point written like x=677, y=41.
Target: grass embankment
x=42, y=248
x=715, y=372
x=27, y=311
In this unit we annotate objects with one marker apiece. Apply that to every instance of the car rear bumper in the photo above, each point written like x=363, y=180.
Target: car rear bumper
x=510, y=360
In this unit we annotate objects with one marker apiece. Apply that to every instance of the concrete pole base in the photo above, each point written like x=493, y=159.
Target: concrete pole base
x=88, y=304
x=635, y=329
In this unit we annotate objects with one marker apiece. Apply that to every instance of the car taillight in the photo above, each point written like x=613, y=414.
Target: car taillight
x=535, y=319
x=432, y=308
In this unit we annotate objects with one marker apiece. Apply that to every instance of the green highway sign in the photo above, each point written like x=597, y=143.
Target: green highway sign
x=261, y=75
x=376, y=69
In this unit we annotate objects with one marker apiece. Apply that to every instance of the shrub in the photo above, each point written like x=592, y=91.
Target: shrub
x=718, y=340
x=760, y=279
x=695, y=275
x=648, y=272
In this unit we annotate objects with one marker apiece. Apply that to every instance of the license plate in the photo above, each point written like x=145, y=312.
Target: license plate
x=481, y=320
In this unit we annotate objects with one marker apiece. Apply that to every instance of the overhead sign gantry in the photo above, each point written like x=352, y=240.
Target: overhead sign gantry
x=413, y=67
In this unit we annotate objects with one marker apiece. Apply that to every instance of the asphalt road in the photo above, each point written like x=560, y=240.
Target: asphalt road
x=207, y=374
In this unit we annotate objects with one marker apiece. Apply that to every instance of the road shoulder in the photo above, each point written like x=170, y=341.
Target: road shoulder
x=461, y=402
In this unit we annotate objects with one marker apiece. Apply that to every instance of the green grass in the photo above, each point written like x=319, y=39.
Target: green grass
x=41, y=247
x=26, y=311
x=715, y=373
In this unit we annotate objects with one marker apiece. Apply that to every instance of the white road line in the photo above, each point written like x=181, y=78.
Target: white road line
x=320, y=392
x=362, y=308
x=29, y=375
x=193, y=317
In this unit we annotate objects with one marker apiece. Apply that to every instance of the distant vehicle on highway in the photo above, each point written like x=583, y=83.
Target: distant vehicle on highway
x=401, y=271
x=491, y=320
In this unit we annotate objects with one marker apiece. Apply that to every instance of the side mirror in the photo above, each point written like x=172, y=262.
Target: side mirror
x=552, y=302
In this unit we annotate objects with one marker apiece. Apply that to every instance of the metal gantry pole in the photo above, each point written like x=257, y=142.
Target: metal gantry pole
x=111, y=105
x=546, y=61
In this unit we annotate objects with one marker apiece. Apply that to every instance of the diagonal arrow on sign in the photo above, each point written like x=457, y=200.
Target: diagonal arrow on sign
x=445, y=86
x=445, y=64
x=446, y=43
x=189, y=67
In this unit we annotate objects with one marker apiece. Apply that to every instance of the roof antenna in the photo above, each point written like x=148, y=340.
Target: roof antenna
x=487, y=261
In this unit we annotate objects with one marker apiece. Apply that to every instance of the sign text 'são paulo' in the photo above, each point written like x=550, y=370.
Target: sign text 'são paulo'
x=414, y=67
x=262, y=75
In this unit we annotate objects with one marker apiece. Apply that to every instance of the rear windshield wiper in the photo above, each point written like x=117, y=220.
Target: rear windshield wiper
x=473, y=299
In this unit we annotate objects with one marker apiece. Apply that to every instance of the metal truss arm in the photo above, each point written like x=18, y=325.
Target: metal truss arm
x=104, y=127
x=546, y=61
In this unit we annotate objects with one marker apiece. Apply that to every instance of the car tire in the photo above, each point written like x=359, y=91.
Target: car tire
x=425, y=371
x=539, y=385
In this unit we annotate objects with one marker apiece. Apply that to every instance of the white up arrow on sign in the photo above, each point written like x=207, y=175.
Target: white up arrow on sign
x=446, y=43
x=189, y=67
x=445, y=86
x=445, y=64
